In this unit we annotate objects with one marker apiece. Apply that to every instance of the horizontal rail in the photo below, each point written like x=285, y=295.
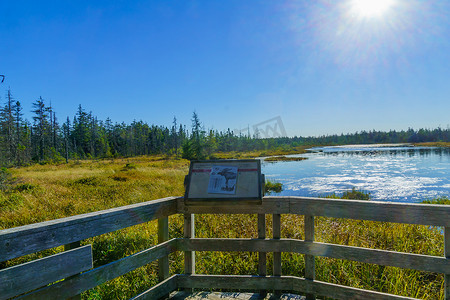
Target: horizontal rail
x=88, y=280
x=160, y=290
x=408, y=213
x=19, y=241
x=20, y=279
x=283, y=283
x=366, y=255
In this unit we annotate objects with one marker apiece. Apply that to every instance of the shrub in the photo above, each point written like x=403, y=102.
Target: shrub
x=356, y=195
x=273, y=187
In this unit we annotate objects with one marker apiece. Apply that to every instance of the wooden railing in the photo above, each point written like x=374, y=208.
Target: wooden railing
x=43, y=277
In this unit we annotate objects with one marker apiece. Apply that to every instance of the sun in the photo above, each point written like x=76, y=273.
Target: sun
x=370, y=8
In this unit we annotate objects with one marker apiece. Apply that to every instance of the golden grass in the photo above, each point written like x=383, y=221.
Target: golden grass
x=54, y=191
x=284, y=158
x=433, y=144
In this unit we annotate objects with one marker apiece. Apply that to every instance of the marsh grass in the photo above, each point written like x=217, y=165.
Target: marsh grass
x=45, y=192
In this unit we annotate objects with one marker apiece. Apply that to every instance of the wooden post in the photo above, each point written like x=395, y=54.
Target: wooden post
x=447, y=255
x=276, y=226
x=163, y=236
x=68, y=247
x=189, y=232
x=262, y=265
x=310, y=272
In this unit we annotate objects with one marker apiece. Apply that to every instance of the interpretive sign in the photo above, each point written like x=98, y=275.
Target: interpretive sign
x=224, y=179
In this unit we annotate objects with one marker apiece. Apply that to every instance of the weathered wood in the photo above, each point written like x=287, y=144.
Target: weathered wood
x=422, y=214
x=90, y=279
x=22, y=278
x=238, y=244
x=262, y=256
x=419, y=262
x=262, y=259
x=310, y=261
x=19, y=241
x=163, y=236
x=276, y=230
x=235, y=282
x=409, y=213
x=206, y=295
x=268, y=206
x=189, y=232
x=374, y=256
x=336, y=291
x=447, y=255
x=160, y=290
x=67, y=248
x=285, y=283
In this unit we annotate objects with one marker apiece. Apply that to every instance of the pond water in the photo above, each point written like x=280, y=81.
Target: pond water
x=389, y=172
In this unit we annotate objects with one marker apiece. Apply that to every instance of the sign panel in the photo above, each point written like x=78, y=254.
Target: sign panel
x=224, y=179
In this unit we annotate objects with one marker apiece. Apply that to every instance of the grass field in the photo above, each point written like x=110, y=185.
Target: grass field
x=44, y=192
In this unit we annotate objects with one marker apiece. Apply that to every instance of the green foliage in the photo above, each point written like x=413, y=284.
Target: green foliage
x=352, y=194
x=25, y=187
x=194, y=148
x=284, y=158
x=442, y=200
x=356, y=195
x=91, y=180
x=129, y=166
x=270, y=187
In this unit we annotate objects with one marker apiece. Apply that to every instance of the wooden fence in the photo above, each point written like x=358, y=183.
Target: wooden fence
x=42, y=278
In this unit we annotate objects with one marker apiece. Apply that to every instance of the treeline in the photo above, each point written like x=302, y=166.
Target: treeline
x=381, y=137
x=46, y=139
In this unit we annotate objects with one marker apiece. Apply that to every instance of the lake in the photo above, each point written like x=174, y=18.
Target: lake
x=389, y=172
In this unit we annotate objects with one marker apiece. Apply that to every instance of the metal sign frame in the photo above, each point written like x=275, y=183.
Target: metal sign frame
x=225, y=198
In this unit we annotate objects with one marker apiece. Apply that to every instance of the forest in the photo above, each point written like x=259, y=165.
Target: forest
x=45, y=138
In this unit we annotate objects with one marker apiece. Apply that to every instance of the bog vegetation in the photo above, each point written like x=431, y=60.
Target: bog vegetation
x=48, y=138
x=42, y=192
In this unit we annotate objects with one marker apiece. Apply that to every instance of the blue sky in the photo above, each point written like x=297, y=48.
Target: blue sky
x=319, y=65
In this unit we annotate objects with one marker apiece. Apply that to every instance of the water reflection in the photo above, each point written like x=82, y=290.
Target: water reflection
x=401, y=174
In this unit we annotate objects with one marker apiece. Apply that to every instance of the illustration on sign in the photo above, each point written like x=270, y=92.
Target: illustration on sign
x=222, y=180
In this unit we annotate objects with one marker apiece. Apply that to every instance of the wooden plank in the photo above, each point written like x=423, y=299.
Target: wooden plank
x=447, y=256
x=268, y=206
x=285, y=283
x=262, y=259
x=335, y=291
x=19, y=241
x=374, y=256
x=424, y=214
x=90, y=279
x=310, y=261
x=235, y=282
x=262, y=256
x=67, y=248
x=230, y=245
x=189, y=232
x=409, y=213
x=22, y=278
x=276, y=230
x=160, y=290
x=163, y=236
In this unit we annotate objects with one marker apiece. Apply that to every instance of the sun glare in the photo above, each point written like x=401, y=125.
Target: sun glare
x=370, y=8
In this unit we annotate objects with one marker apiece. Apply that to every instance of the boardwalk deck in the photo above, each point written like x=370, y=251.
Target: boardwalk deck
x=231, y=296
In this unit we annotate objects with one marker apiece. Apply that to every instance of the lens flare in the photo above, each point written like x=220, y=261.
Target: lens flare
x=371, y=8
